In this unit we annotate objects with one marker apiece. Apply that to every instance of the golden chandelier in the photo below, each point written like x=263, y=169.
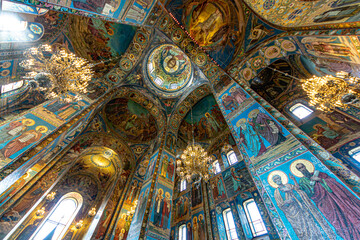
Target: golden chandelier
x=328, y=92
x=194, y=162
x=68, y=74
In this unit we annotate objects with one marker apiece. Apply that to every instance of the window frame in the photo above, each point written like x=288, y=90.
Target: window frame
x=12, y=89
x=183, y=185
x=355, y=152
x=182, y=232
x=227, y=225
x=299, y=105
x=228, y=157
x=216, y=163
x=251, y=222
x=78, y=200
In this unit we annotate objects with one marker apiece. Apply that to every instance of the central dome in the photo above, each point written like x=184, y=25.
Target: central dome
x=168, y=68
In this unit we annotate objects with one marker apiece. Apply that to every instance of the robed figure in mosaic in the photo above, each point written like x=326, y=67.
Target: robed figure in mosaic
x=298, y=209
x=339, y=206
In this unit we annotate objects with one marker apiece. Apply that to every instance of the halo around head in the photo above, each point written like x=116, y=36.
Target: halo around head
x=253, y=113
x=161, y=191
x=283, y=176
x=167, y=194
x=45, y=129
x=310, y=167
x=241, y=121
x=28, y=122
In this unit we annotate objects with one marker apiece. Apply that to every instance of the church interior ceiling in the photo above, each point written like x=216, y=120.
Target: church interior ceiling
x=157, y=87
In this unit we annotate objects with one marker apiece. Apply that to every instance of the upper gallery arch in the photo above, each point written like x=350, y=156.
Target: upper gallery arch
x=132, y=115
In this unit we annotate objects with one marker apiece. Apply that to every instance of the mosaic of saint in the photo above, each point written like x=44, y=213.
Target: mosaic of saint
x=168, y=68
x=131, y=120
x=216, y=25
x=209, y=22
x=207, y=119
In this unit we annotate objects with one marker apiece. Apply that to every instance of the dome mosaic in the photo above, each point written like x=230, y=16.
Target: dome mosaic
x=168, y=69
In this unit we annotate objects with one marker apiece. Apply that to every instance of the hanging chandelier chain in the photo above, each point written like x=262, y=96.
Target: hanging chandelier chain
x=192, y=126
x=286, y=74
x=329, y=92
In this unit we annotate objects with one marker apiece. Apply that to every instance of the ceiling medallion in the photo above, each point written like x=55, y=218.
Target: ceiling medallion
x=169, y=70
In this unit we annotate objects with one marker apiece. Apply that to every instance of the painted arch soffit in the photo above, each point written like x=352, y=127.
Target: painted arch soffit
x=312, y=13
x=133, y=116
x=120, y=150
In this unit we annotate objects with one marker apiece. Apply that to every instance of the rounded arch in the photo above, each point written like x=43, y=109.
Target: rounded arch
x=121, y=155
x=132, y=113
x=184, y=106
x=304, y=14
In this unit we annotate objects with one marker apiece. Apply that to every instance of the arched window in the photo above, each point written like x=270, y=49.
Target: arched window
x=182, y=232
x=230, y=225
x=59, y=219
x=232, y=158
x=254, y=217
x=355, y=153
x=217, y=168
x=183, y=185
x=11, y=86
x=300, y=110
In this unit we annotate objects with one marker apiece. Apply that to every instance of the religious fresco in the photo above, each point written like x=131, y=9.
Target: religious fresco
x=134, y=12
x=19, y=135
x=151, y=167
x=207, y=120
x=168, y=69
x=168, y=166
x=217, y=26
x=99, y=41
x=306, y=13
x=15, y=182
x=84, y=177
x=236, y=179
x=136, y=223
x=218, y=188
x=322, y=132
x=181, y=208
x=266, y=55
x=340, y=48
x=131, y=120
x=325, y=66
x=257, y=31
x=261, y=135
x=307, y=197
x=234, y=99
x=160, y=215
x=198, y=226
